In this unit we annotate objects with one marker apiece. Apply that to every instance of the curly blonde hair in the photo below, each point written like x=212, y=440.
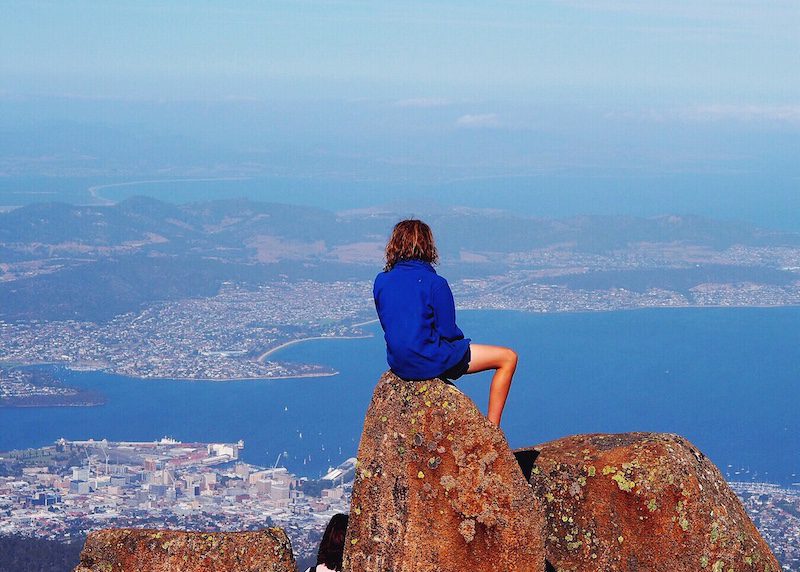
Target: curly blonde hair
x=411, y=239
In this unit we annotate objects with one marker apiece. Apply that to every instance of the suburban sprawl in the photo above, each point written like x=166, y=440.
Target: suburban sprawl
x=227, y=336
x=62, y=491
x=232, y=334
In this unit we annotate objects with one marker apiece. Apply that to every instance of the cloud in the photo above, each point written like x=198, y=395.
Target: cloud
x=423, y=102
x=477, y=121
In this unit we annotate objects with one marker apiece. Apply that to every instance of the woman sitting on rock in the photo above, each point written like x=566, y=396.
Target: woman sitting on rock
x=418, y=316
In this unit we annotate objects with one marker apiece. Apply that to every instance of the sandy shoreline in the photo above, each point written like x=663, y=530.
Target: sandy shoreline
x=271, y=351
x=103, y=201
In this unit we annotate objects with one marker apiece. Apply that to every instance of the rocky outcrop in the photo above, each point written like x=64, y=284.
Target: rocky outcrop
x=141, y=550
x=437, y=488
x=641, y=501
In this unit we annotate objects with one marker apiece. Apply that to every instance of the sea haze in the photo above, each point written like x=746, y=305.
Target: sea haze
x=724, y=378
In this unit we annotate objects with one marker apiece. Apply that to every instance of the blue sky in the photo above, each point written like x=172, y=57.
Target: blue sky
x=734, y=52
x=407, y=92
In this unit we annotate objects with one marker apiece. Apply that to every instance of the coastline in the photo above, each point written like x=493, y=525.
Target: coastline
x=271, y=351
x=104, y=201
x=637, y=308
x=367, y=323
x=228, y=379
x=66, y=365
x=44, y=405
x=352, y=357
x=101, y=367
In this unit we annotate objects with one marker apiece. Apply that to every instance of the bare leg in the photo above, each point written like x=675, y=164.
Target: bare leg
x=504, y=362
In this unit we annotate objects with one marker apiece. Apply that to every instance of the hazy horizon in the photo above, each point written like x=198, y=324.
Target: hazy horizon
x=551, y=109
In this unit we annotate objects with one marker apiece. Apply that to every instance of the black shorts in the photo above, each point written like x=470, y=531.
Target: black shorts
x=459, y=369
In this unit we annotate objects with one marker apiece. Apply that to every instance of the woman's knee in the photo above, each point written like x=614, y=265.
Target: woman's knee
x=492, y=357
x=510, y=358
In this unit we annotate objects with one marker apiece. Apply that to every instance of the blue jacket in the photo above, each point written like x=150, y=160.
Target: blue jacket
x=418, y=315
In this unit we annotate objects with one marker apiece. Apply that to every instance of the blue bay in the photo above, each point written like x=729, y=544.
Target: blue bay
x=727, y=379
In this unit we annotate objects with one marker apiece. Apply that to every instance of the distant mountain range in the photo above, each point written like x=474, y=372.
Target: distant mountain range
x=63, y=261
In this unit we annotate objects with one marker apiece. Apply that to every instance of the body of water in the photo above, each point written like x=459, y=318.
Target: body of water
x=769, y=199
x=727, y=379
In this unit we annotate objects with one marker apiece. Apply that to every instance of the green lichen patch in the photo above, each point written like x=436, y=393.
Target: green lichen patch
x=714, y=532
x=622, y=482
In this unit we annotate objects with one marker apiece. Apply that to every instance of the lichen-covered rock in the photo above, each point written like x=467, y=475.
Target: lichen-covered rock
x=437, y=488
x=142, y=550
x=642, y=501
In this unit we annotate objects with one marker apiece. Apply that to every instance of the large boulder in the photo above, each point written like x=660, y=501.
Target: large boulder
x=641, y=501
x=437, y=488
x=142, y=550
